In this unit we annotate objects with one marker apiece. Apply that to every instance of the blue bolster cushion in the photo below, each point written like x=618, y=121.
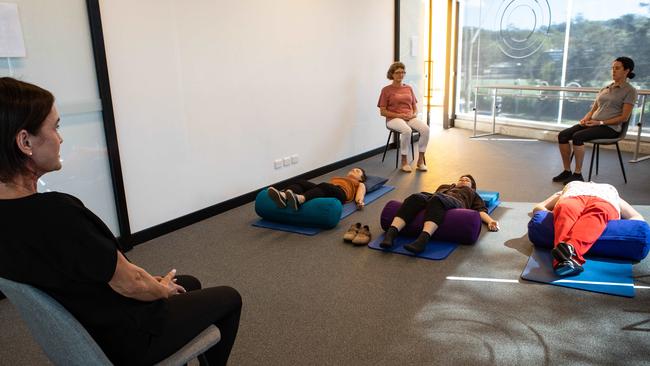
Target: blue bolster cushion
x=625, y=239
x=373, y=183
x=320, y=212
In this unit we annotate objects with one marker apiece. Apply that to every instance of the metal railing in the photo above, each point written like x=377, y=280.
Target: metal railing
x=642, y=95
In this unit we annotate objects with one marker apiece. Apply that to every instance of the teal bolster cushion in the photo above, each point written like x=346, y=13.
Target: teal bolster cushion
x=320, y=212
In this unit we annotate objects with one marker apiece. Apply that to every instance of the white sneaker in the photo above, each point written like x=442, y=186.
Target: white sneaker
x=422, y=168
x=406, y=168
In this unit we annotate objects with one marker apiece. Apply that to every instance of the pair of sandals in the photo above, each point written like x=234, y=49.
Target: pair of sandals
x=357, y=234
x=566, y=265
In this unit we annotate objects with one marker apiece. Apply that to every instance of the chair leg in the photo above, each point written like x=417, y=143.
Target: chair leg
x=591, y=165
x=597, y=157
x=412, y=149
x=397, y=148
x=390, y=133
x=620, y=160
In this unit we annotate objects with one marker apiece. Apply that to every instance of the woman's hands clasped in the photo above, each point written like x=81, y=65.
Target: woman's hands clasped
x=589, y=122
x=170, y=283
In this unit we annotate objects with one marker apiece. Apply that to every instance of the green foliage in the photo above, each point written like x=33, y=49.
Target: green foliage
x=593, y=45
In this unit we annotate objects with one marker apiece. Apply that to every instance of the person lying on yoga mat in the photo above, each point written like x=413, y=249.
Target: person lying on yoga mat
x=580, y=213
x=345, y=189
x=461, y=194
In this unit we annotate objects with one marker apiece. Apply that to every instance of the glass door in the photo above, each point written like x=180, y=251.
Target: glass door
x=427, y=39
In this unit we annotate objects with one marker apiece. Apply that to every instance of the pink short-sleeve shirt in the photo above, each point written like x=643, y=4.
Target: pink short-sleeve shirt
x=398, y=99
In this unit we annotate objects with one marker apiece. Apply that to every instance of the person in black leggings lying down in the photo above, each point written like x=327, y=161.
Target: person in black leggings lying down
x=345, y=189
x=462, y=194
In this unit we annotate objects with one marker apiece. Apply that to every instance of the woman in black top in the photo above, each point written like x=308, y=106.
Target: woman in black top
x=51, y=241
x=462, y=194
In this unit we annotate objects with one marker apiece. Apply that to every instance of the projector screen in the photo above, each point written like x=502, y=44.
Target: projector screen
x=209, y=94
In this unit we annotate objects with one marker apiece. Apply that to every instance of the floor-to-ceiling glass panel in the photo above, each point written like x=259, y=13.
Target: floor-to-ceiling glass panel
x=413, y=52
x=545, y=43
x=513, y=42
x=426, y=67
x=599, y=32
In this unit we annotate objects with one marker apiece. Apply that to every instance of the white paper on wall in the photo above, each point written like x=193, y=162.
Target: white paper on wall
x=11, y=34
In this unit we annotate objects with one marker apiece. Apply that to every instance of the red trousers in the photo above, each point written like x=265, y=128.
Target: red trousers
x=580, y=221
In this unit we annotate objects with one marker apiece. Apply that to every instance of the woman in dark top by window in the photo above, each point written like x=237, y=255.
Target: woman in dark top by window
x=51, y=241
x=462, y=194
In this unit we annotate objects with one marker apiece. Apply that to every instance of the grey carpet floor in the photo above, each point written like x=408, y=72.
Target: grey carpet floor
x=318, y=301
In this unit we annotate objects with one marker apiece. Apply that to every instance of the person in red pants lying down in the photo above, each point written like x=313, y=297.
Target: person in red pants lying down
x=580, y=213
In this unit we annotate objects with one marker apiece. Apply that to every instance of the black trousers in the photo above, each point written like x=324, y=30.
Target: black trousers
x=579, y=134
x=311, y=190
x=190, y=314
x=432, y=204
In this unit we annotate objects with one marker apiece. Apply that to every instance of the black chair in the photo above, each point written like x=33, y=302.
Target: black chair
x=613, y=141
x=595, y=151
x=397, y=145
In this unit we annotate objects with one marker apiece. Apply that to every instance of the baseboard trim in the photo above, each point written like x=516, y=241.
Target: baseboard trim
x=194, y=217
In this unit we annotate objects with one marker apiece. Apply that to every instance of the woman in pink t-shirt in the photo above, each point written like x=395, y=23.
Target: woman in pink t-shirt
x=398, y=104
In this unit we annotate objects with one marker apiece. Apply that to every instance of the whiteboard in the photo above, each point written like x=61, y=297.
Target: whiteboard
x=207, y=94
x=60, y=59
x=11, y=33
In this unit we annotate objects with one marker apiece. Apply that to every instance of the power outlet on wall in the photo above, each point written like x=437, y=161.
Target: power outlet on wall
x=277, y=163
x=286, y=161
x=294, y=159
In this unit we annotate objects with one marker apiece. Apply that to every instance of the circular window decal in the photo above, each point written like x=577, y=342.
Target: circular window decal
x=523, y=26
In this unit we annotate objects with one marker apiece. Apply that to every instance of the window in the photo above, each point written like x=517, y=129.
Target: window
x=547, y=43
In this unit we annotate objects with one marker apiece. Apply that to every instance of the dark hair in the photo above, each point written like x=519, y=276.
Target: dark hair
x=471, y=179
x=23, y=106
x=628, y=64
x=364, y=177
x=393, y=67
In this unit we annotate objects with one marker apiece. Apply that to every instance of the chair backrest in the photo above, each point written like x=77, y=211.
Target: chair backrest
x=624, y=127
x=62, y=337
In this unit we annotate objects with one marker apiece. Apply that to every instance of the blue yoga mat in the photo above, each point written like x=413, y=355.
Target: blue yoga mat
x=607, y=276
x=287, y=227
x=348, y=209
x=436, y=250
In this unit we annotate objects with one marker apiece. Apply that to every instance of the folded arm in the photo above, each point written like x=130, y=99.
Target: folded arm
x=390, y=115
x=623, y=117
x=628, y=212
x=548, y=204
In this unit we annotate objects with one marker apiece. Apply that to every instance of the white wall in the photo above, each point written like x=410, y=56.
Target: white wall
x=59, y=58
x=208, y=93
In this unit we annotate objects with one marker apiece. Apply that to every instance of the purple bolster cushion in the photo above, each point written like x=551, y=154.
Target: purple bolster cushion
x=460, y=225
